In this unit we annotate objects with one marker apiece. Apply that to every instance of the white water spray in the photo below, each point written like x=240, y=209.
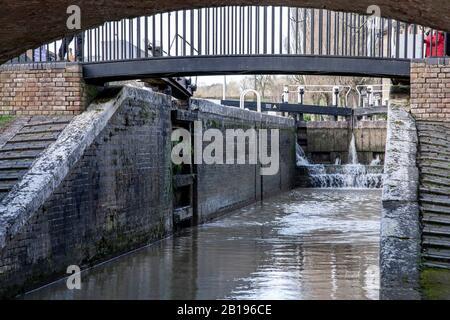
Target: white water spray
x=300, y=156
x=376, y=161
x=352, y=154
x=352, y=175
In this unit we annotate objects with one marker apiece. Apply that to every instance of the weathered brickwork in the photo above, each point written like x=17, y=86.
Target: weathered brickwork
x=42, y=89
x=430, y=89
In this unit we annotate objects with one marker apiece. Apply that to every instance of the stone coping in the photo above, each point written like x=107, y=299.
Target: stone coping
x=432, y=61
x=237, y=113
x=342, y=124
x=37, y=66
x=402, y=175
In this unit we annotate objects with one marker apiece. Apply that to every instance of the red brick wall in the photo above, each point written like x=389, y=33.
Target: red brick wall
x=42, y=89
x=430, y=89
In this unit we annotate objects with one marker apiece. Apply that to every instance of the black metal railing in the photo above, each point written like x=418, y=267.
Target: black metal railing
x=245, y=30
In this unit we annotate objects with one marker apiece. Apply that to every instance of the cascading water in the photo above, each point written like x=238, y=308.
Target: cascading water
x=346, y=176
x=352, y=175
x=352, y=154
x=300, y=156
x=376, y=161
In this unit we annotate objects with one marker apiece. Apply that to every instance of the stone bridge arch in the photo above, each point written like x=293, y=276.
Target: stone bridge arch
x=26, y=24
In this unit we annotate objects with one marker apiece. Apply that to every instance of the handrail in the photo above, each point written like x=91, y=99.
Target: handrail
x=258, y=99
x=226, y=31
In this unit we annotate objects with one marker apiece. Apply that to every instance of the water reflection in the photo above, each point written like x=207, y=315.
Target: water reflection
x=305, y=244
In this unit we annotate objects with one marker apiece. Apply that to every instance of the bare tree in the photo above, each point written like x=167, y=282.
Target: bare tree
x=261, y=83
x=300, y=43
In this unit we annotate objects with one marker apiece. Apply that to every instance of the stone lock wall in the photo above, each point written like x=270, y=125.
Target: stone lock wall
x=115, y=197
x=222, y=188
x=400, y=227
x=42, y=89
x=105, y=186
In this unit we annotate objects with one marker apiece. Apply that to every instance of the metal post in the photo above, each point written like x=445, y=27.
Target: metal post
x=370, y=95
x=300, y=94
x=336, y=96
x=446, y=39
x=224, y=87
x=300, y=99
x=285, y=94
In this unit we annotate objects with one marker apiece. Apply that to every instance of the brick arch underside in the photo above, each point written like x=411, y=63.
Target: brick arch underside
x=26, y=24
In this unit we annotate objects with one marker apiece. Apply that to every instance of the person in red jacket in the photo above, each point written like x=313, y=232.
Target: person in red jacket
x=447, y=39
x=435, y=44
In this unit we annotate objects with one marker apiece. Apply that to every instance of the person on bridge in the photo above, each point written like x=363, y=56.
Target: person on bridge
x=435, y=44
x=64, y=49
x=447, y=44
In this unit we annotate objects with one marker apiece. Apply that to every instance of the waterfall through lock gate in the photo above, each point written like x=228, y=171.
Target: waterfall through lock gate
x=351, y=175
x=352, y=154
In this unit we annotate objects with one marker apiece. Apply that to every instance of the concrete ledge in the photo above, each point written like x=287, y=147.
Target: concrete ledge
x=52, y=167
x=431, y=61
x=400, y=160
x=342, y=124
x=237, y=113
x=400, y=228
x=39, y=66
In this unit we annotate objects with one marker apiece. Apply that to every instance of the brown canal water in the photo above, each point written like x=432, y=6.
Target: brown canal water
x=304, y=244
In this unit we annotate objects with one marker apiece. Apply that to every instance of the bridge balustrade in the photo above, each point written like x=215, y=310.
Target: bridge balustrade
x=242, y=31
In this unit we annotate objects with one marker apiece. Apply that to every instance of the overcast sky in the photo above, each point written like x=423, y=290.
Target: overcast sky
x=205, y=81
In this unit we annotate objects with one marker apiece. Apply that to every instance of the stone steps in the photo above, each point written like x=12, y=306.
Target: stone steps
x=428, y=141
x=434, y=264
x=18, y=154
x=433, y=151
x=424, y=128
x=437, y=230
x=48, y=120
x=7, y=185
x=438, y=254
x=42, y=128
x=435, y=241
x=434, y=208
x=32, y=137
x=434, y=191
x=434, y=171
x=436, y=249
x=18, y=146
x=431, y=159
x=430, y=180
x=434, y=195
x=15, y=164
x=437, y=260
x=434, y=168
x=11, y=174
x=437, y=135
x=435, y=218
x=435, y=199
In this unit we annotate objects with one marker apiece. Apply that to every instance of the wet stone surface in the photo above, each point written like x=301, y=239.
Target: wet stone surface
x=304, y=244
